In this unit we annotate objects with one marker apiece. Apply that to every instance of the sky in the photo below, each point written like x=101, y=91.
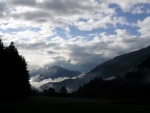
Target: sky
x=75, y=34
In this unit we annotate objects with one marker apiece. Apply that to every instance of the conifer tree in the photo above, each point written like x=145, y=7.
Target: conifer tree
x=15, y=75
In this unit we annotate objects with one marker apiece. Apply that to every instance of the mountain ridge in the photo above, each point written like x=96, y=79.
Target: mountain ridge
x=55, y=72
x=119, y=64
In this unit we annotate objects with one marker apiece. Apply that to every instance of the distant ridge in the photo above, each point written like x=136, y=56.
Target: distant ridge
x=119, y=65
x=55, y=72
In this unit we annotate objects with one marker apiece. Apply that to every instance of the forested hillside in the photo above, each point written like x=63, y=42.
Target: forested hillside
x=133, y=85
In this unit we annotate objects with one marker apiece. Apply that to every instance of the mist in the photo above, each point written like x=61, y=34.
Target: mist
x=36, y=81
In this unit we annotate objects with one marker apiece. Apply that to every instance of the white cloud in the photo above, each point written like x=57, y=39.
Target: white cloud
x=57, y=13
x=100, y=22
x=37, y=81
x=79, y=51
x=128, y=5
x=37, y=84
x=140, y=10
x=144, y=27
x=32, y=24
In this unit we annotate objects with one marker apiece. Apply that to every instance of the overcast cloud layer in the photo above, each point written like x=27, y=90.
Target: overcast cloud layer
x=76, y=34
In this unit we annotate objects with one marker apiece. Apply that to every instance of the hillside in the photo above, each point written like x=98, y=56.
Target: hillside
x=42, y=77
x=119, y=65
x=133, y=85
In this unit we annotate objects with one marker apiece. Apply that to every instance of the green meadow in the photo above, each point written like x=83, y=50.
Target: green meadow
x=70, y=105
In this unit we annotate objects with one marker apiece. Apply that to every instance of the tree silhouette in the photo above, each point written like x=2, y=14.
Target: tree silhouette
x=49, y=92
x=134, y=85
x=14, y=73
x=1, y=46
x=63, y=90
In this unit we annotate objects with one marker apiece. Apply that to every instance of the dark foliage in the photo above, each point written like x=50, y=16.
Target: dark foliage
x=135, y=85
x=52, y=93
x=114, y=89
x=14, y=79
x=49, y=92
x=63, y=90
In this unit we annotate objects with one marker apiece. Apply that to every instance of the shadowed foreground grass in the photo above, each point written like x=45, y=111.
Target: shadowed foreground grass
x=68, y=105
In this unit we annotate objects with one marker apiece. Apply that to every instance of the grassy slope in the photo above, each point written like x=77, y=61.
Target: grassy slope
x=63, y=105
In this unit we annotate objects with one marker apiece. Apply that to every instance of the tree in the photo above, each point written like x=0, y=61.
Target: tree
x=15, y=75
x=63, y=90
x=51, y=92
x=2, y=69
x=1, y=46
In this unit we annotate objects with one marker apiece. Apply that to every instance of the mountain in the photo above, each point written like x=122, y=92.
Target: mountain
x=71, y=84
x=119, y=65
x=133, y=85
x=46, y=77
x=55, y=72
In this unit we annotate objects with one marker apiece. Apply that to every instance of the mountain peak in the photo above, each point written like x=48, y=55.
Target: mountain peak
x=56, y=67
x=56, y=71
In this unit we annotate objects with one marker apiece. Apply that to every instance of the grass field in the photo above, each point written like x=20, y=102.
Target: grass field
x=70, y=105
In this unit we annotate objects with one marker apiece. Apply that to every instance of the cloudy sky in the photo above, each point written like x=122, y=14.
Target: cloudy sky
x=76, y=34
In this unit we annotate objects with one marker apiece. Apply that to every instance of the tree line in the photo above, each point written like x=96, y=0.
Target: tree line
x=51, y=92
x=14, y=79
